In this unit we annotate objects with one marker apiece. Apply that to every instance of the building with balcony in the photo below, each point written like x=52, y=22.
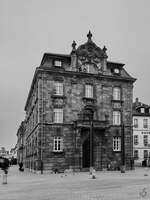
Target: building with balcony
x=79, y=111
x=141, y=133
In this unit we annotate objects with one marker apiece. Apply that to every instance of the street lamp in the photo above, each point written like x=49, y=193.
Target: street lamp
x=91, y=143
x=122, y=144
x=91, y=146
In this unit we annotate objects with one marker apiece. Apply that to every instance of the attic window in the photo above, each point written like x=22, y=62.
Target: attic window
x=142, y=110
x=58, y=63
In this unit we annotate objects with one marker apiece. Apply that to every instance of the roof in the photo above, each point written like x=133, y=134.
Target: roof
x=136, y=108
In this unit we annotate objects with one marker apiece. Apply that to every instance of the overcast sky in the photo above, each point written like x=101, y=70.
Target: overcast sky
x=28, y=28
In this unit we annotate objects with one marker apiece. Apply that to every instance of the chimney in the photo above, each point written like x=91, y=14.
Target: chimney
x=136, y=101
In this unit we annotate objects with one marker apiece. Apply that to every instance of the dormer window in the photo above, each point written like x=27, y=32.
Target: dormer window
x=88, y=68
x=142, y=110
x=58, y=63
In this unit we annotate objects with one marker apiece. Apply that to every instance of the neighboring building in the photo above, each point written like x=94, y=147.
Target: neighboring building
x=4, y=153
x=13, y=152
x=141, y=132
x=21, y=143
x=79, y=111
x=13, y=155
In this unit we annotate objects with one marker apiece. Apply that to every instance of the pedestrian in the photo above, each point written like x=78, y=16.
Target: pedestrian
x=21, y=166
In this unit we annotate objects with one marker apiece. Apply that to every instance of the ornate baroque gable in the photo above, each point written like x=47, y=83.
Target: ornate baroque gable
x=90, y=56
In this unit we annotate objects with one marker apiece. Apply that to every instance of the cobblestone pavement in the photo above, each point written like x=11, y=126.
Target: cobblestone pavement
x=132, y=185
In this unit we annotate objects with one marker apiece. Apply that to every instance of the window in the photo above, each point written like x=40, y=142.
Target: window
x=136, y=154
x=58, y=115
x=135, y=123
x=145, y=123
x=116, y=93
x=58, y=63
x=145, y=140
x=136, y=141
x=116, y=143
x=58, y=144
x=89, y=91
x=58, y=88
x=145, y=154
x=116, y=117
x=88, y=68
x=142, y=110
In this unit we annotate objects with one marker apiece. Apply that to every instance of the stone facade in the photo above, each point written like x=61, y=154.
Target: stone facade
x=141, y=133
x=79, y=112
x=21, y=142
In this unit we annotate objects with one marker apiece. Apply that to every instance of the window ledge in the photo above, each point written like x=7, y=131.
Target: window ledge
x=89, y=99
x=58, y=123
x=58, y=67
x=58, y=152
x=116, y=125
x=58, y=96
x=117, y=101
x=117, y=151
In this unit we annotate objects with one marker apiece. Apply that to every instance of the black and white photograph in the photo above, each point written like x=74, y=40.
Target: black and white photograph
x=74, y=100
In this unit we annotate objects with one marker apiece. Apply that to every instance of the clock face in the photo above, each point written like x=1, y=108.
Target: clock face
x=116, y=70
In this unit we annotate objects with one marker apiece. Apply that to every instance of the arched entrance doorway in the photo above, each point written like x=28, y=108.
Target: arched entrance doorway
x=87, y=146
x=86, y=153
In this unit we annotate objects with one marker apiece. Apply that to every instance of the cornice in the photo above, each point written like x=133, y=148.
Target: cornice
x=86, y=75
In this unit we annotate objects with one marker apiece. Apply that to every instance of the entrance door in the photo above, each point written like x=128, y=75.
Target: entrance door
x=86, y=153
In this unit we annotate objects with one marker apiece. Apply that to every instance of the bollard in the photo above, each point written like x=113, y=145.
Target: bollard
x=4, y=179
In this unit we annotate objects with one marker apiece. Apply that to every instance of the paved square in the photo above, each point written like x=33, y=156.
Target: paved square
x=132, y=185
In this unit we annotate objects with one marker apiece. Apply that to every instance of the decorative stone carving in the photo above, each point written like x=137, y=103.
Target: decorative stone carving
x=90, y=54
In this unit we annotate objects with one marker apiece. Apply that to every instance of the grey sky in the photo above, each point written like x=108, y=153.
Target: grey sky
x=30, y=28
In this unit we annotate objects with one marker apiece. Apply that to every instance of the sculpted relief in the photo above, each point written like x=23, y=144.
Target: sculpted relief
x=89, y=65
x=90, y=58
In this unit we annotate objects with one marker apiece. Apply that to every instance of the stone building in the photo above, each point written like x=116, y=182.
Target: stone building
x=4, y=153
x=141, y=133
x=21, y=142
x=79, y=111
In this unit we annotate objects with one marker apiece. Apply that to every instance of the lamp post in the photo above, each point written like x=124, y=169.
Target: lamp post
x=41, y=161
x=122, y=144
x=91, y=146
x=74, y=141
x=91, y=143
x=122, y=149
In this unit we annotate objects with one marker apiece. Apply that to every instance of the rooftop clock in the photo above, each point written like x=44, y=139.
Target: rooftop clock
x=116, y=71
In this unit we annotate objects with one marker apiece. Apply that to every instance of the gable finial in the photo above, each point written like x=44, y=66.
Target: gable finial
x=104, y=49
x=89, y=36
x=74, y=45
